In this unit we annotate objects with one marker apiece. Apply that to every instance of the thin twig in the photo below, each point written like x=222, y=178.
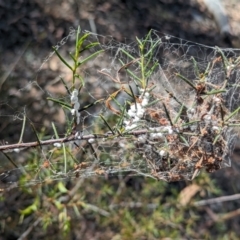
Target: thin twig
x=72, y=138
x=218, y=200
x=31, y=227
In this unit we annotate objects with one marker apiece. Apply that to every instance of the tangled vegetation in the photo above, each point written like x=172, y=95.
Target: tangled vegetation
x=162, y=109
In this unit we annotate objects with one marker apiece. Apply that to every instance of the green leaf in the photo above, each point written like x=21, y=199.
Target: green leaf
x=69, y=107
x=130, y=72
x=190, y=123
x=152, y=103
x=104, y=120
x=120, y=120
x=129, y=55
x=78, y=33
x=30, y=209
x=58, y=205
x=147, y=37
x=195, y=67
x=36, y=135
x=90, y=105
x=152, y=48
x=65, y=158
x=186, y=80
x=72, y=57
x=232, y=114
x=139, y=42
x=76, y=210
x=62, y=188
x=81, y=79
x=23, y=128
x=150, y=71
x=179, y=114
x=183, y=139
x=213, y=92
x=207, y=69
x=224, y=59
x=89, y=46
x=62, y=59
x=167, y=114
x=216, y=139
x=55, y=130
x=10, y=160
x=82, y=39
x=89, y=57
x=65, y=85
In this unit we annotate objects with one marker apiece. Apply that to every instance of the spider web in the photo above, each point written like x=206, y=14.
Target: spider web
x=189, y=122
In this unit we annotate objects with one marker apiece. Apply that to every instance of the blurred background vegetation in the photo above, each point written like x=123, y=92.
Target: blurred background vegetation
x=121, y=207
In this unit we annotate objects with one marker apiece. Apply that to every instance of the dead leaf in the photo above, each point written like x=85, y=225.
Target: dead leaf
x=188, y=193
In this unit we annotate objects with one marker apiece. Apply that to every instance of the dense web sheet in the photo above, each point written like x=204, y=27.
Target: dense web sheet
x=168, y=123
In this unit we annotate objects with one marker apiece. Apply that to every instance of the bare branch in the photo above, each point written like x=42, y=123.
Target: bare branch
x=218, y=200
